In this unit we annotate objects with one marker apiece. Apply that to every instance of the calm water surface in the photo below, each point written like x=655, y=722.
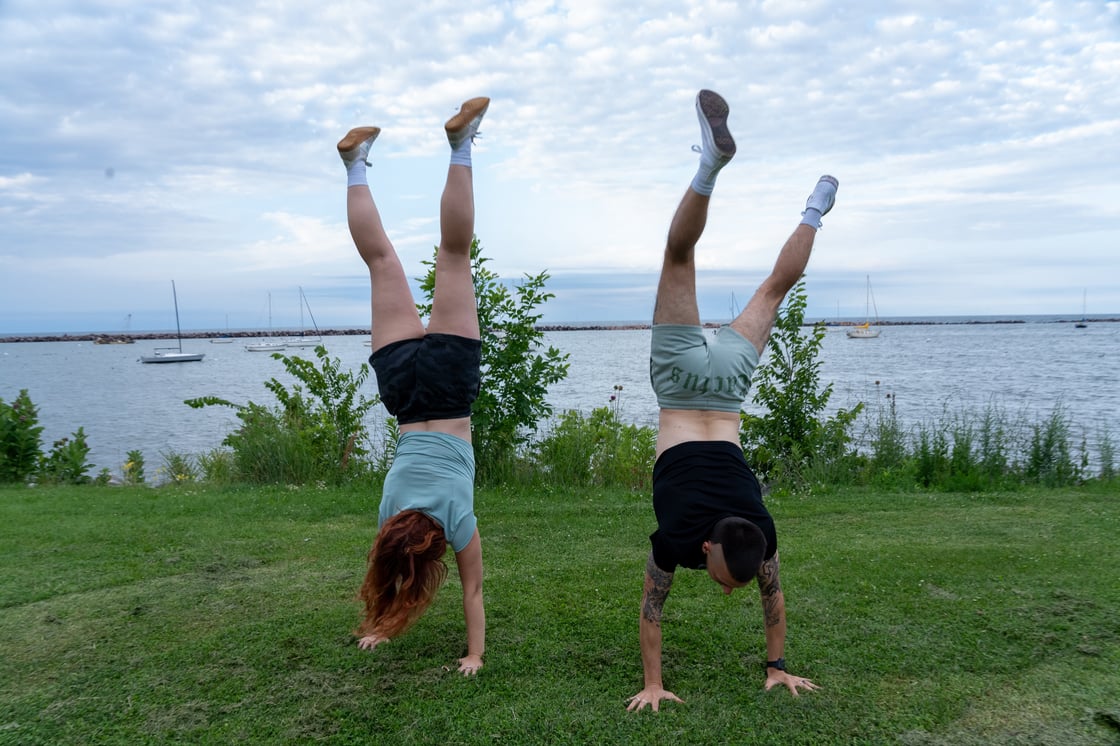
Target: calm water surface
x=932, y=371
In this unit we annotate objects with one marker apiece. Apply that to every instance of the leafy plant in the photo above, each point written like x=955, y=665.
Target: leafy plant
x=20, y=450
x=516, y=367
x=133, y=469
x=316, y=432
x=784, y=442
x=66, y=462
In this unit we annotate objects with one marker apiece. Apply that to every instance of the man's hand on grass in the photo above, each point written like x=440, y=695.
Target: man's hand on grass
x=652, y=696
x=774, y=677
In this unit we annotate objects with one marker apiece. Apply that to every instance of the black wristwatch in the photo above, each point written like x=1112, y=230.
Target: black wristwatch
x=779, y=664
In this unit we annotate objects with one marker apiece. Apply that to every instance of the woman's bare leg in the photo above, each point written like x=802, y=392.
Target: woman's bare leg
x=454, y=308
x=393, y=310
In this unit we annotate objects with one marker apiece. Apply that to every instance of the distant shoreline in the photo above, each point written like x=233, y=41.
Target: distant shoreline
x=279, y=336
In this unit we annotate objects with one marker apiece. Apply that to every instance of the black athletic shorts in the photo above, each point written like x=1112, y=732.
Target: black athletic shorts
x=434, y=377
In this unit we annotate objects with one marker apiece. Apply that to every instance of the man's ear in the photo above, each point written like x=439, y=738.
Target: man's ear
x=706, y=547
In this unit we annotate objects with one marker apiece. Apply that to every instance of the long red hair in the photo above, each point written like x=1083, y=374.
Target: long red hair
x=406, y=568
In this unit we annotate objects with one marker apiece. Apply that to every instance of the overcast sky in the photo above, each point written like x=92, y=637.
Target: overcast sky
x=976, y=146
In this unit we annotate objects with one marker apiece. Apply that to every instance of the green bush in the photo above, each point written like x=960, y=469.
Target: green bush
x=20, y=450
x=66, y=462
x=516, y=367
x=792, y=439
x=316, y=432
x=596, y=449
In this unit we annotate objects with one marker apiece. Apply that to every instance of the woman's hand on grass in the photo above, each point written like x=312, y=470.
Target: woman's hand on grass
x=652, y=696
x=774, y=677
x=369, y=642
x=469, y=665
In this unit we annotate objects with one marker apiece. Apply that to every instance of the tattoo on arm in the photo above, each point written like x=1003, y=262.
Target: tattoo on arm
x=771, y=590
x=657, y=587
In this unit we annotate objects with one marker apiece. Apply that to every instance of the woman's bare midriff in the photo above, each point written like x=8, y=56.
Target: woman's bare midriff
x=678, y=426
x=460, y=427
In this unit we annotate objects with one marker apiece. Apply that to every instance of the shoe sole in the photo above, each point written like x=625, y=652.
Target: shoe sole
x=715, y=110
x=356, y=137
x=468, y=112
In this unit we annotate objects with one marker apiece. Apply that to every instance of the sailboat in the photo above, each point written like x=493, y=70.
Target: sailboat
x=173, y=354
x=1083, y=323
x=225, y=339
x=306, y=340
x=865, y=330
x=265, y=345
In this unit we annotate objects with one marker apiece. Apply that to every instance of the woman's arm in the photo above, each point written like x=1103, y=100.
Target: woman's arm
x=469, y=561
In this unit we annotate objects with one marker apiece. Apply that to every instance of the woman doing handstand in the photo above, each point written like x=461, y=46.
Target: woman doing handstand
x=427, y=379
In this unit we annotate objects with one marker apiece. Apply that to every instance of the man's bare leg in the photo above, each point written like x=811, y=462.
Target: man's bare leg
x=676, y=290
x=757, y=319
x=393, y=314
x=454, y=308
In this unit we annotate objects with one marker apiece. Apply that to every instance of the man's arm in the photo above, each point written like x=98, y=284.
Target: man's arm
x=470, y=575
x=655, y=591
x=774, y=616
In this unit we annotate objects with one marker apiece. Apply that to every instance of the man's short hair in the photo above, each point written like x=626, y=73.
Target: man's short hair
x=743, y=544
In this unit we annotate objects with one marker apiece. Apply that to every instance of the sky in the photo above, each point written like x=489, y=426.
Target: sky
x=977, y=146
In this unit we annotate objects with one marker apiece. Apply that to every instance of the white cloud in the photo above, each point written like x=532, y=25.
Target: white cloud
x=144, y=141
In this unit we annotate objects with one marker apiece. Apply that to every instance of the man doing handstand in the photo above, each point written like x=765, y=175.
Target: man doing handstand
x=707, y=500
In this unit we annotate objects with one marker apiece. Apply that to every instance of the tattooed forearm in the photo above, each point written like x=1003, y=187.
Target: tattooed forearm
x=773, y=602
x=655, y=592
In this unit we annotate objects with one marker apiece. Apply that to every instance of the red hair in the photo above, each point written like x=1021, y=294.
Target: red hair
x=406, y=568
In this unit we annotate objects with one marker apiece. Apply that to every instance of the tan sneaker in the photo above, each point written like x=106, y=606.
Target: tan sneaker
x=356, y=144
x=465, y=124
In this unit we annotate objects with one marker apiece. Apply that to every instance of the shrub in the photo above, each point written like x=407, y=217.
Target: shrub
x=66, y=462
x=597, y=449
x=784, y=443
x=20, y=451
x=316, y=433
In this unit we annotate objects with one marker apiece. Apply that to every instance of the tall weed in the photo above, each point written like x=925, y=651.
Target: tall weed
x=597, y=449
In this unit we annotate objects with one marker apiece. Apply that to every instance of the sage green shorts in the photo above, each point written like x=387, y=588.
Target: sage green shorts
x=690, y=371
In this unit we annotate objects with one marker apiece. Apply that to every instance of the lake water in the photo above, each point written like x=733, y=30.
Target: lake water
x=932, y=370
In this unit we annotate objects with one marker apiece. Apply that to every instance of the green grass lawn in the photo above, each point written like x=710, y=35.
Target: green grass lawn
x=201, y=615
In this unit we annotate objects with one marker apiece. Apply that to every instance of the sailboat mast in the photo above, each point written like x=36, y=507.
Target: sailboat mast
x=178, y=331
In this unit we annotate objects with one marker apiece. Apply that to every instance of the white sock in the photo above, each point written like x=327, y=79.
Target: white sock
x=811, y=217
x=461, y=155
x=356, y=173
x=705, y=179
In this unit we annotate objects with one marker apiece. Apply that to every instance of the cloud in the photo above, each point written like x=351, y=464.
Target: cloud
x=172, y=139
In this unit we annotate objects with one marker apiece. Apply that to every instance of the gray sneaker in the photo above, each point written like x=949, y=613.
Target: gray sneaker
x=356, y=144
x=824, y=195
x=465, y=124
x=712, y=111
